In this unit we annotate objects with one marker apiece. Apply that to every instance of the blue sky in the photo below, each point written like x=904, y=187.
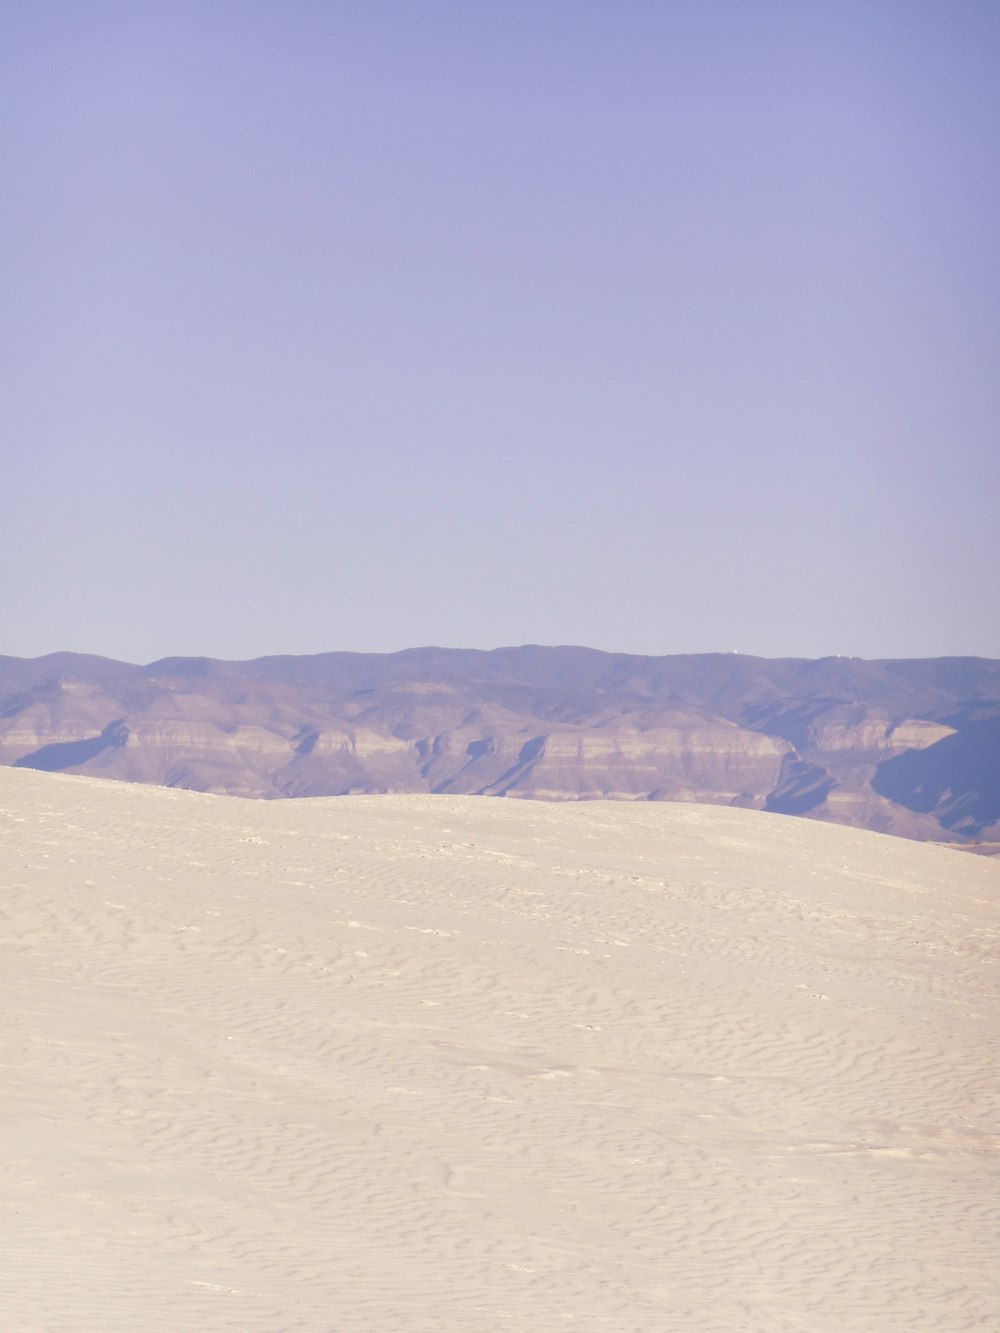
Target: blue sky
x=658, y=328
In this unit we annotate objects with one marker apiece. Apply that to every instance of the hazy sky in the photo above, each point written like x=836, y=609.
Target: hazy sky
x=656, y=327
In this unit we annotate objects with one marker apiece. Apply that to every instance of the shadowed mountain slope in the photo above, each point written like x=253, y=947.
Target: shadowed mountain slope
x=909, y=747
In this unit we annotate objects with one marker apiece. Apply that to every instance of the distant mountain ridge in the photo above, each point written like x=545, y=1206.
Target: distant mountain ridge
x=910, y=746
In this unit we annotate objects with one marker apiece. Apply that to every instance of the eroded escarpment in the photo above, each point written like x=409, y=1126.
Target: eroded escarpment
x=902, y=747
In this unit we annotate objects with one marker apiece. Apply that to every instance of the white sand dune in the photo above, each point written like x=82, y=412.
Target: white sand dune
x=422, y=1063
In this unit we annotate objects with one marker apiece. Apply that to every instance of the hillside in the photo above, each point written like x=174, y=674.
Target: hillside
x=910, y=747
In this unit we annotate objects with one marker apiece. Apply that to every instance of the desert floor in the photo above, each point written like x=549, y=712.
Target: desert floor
x=461, y=1065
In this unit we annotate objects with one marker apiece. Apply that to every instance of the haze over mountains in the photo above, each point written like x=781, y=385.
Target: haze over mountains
x=910, y=747
x=907, y=747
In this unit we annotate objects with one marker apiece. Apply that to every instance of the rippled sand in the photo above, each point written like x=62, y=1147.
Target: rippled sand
x=420, y=1063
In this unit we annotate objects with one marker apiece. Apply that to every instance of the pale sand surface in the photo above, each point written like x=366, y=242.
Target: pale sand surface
x=421, y=1063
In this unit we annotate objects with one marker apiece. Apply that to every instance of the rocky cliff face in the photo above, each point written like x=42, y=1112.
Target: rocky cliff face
x=903, y=747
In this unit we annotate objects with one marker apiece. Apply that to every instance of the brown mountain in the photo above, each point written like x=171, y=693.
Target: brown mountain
x=909, y=747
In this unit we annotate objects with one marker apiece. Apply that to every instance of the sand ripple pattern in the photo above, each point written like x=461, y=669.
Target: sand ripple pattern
x=461, y=1065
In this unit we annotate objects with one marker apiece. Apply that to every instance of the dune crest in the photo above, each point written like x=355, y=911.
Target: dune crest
x=437, y=1063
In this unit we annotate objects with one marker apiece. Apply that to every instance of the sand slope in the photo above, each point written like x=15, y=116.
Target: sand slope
x=424, y=1063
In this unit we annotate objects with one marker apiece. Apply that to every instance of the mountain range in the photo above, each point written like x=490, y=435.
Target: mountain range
x=909, y=746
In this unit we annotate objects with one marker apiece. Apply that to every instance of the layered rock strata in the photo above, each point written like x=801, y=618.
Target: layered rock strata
x=902, y=747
